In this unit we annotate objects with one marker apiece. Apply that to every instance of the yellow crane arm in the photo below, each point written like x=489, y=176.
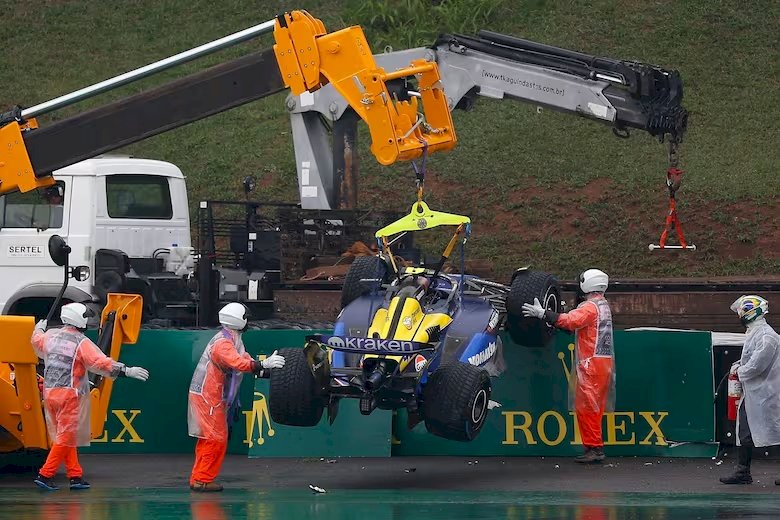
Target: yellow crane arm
x=403, y=121
x=310, y=58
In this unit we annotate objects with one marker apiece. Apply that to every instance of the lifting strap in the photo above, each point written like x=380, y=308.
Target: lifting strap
x=673, y=179
x=673, y=182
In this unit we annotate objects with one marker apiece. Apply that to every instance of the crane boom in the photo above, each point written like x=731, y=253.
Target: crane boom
x=623, y=94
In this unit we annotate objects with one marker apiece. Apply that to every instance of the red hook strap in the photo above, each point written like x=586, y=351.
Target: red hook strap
x=673, y=181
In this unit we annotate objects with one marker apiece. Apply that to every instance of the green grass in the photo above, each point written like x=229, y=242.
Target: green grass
x=544, y=188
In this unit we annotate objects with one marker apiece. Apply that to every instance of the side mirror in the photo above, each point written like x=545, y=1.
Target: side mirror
x=58, y=250
x=80, y=273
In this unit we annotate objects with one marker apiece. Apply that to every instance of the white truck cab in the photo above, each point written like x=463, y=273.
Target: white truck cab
x=136, y=206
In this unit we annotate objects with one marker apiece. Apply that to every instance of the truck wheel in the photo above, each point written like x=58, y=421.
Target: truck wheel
x=455, y=401
x=108, y=282
x=526, y=286
x=293, y=398
x=363, y=268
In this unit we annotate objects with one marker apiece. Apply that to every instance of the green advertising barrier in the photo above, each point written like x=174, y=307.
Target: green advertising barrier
x=351, y=435
x=151, y=416
x=664, y=399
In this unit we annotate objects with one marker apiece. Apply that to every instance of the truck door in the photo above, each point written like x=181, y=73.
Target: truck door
x=27, y=220
x=141, y=214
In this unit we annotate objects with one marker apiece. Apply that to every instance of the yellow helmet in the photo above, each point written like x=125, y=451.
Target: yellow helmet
x=750, y=307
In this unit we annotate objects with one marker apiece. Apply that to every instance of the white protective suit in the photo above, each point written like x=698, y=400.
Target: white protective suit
x=69, y=355
x=759, y=372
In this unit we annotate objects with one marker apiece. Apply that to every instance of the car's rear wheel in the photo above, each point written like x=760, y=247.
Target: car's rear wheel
x=526, y=286
x=455, y=401
x=294, y=398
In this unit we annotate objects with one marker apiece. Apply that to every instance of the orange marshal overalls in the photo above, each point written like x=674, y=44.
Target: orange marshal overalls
x=213, y=389
x=68, y=355
x=595, y=371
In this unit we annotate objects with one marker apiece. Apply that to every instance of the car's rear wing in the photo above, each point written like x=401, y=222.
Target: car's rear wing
x=370, y=345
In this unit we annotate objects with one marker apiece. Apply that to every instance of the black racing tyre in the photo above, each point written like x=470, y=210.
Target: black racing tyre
x=455, y=401
x=527, y=285
x=363, y=268
x=293, y=398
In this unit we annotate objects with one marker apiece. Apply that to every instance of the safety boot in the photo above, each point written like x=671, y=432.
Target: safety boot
x=740, y=476
x=600, y=454
x=206, y=487
x=78, y=483
x=46, y=483
x=591, y=456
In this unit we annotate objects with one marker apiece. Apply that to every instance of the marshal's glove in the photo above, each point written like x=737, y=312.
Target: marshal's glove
x=136, y=373
x=734, y=369
x=273, y=361
x=533, y=310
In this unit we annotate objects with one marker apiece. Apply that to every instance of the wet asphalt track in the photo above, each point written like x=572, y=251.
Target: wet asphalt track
x=155, y=487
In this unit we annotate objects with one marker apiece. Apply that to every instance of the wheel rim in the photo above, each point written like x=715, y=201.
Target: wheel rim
x=550, y=303
x=480, y=406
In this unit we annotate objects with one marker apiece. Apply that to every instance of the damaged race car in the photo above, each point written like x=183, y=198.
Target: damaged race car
x=413, y=337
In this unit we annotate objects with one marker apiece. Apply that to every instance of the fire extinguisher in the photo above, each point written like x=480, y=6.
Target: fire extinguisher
x=734, y=395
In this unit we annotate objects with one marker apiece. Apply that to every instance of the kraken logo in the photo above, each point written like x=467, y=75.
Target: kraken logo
x=258, y=415
x=335, y=342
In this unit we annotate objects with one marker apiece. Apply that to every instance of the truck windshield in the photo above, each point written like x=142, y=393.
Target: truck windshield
x=38, y=209
x=138, y=196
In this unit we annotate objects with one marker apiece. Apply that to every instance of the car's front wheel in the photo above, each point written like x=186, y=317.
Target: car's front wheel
x=455, y=401
x=526, y=286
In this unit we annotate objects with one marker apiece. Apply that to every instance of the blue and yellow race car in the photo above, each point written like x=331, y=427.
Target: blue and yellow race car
x=414, y=338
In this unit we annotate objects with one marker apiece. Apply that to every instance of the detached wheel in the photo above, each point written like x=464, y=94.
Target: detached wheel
x=293, y=398
x=456, y=401
x=526, y=286
x=363, y=268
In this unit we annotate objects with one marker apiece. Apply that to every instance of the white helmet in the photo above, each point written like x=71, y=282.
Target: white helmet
x=593, y=280
x=234, y=316
x=750, y=307
x=75, y=314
